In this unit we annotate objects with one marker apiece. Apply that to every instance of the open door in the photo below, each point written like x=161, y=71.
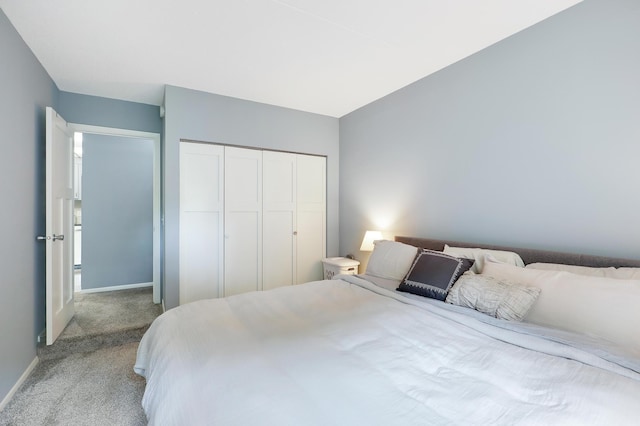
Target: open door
x=59, y=225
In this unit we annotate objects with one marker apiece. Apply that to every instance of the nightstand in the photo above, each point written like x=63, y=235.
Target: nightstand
x=339, y=265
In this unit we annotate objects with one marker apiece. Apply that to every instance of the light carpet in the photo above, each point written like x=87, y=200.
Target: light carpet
x=104, y=319
x=86, y=377
x=90, y=388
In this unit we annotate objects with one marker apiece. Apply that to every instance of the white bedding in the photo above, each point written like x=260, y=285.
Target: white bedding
x=351, y=353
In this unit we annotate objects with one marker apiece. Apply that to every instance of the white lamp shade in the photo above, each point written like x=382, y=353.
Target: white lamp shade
x=369, y=238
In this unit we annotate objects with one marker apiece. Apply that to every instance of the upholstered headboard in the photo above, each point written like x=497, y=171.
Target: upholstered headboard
x=528, y=255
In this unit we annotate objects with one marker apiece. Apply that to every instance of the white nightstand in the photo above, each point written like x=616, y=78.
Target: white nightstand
x=339, y=265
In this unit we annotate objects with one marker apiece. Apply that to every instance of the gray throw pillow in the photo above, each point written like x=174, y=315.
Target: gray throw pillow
x=492, y=296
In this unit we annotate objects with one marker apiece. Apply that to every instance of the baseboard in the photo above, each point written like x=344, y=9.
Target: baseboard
x=19, y=383
x=115, y=288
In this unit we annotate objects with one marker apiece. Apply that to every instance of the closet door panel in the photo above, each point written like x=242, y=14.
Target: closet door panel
x=200, y=274
x=311, y=249
x=243, y=221
x=201, y=221
x=278, y=253
x=242, y=253
x=311, y=217
x=279, y=219
x=243, y=177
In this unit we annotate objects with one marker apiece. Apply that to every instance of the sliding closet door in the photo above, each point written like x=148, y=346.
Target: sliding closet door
x=278, y=219
x=311, y=217
x=243, y=221
x=201, y=221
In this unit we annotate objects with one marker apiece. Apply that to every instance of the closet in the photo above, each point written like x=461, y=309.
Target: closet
x=250, y=219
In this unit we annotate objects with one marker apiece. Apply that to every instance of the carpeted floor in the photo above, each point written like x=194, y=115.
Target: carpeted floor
x=86, y=377
x=103, y=320
x=92, y=388
x=112, y=311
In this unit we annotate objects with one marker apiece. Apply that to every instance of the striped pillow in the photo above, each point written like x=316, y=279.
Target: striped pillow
x=495, y=297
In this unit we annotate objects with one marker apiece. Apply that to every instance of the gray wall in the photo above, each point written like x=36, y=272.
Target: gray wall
x=117, y=211
x=25, y=90
x=97, y=111
x=213, y=118
x=532, y=142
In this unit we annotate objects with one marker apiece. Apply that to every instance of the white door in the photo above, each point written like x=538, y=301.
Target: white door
x=201, y=221
x=243, y=220
x=311, y=217
x=59, y=224
x=278, y=219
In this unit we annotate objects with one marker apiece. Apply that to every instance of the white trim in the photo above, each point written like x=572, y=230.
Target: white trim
x=156, y=220
x=115, y=288
x=113, y=131
x=85, y=128
x=19, y=383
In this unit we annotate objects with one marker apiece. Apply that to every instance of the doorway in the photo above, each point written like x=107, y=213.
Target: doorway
x=116, y=210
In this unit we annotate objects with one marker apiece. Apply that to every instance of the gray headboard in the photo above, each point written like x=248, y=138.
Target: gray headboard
x=528, y=255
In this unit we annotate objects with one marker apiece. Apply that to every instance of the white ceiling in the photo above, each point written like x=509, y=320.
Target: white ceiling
x=324, y=56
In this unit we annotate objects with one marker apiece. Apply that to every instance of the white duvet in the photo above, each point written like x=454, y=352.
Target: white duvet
x=351, y=353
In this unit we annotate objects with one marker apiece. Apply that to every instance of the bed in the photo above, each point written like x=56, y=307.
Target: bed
x=355, y=351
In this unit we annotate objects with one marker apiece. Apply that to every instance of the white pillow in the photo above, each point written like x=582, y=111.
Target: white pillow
x=391, y=259
x=479, y=255
x=607, y=308
x=618, y=273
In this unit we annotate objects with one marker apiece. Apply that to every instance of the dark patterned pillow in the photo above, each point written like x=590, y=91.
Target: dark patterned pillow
x=433, y=273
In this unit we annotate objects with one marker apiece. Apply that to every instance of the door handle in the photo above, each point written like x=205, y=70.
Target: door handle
x=54, y=238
